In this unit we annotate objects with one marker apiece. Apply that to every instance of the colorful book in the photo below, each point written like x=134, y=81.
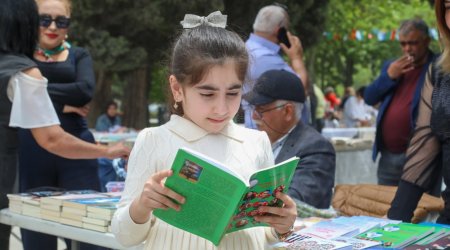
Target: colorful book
x=397, y=235
x=328, y=230
x=440, y=243
x=75, y=194
x=306, y=242
x=362, y=225
x=358, y=244
x=215, y=193
x=83, y=203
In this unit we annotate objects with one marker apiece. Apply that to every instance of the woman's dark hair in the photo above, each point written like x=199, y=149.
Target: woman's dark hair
x=197, y=50
x=360, y=91
x=19, y=26
x=111, y=103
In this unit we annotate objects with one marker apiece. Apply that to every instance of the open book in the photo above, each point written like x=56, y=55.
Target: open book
x=219, y=201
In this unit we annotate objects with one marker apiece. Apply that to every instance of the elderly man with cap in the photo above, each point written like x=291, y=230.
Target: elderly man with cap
x=278, y=98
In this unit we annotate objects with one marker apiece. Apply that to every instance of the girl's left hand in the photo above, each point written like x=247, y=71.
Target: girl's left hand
x=280, y=218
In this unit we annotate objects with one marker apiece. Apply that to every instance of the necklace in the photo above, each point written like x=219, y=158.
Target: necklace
x=48, y=53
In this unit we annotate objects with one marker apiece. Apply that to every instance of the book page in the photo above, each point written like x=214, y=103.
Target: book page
x=211, y=196
x=264, y=185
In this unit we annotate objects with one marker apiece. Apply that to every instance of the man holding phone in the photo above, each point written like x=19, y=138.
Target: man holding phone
x=269, y=36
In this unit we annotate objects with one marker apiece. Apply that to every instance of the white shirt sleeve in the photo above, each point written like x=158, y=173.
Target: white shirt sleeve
x=31, y=104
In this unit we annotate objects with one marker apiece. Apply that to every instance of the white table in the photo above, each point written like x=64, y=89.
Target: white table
x=107, y=138
x=355, y=167
x=49, y=227
x=363, y=132
x=353, y=147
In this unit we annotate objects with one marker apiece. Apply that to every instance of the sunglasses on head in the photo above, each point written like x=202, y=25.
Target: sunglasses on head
x=61, y=22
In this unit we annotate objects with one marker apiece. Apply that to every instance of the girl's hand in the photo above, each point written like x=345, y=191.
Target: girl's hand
x=280, y=218
x=154, y=195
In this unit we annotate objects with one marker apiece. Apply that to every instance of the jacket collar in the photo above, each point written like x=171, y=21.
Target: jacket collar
x=191, y=132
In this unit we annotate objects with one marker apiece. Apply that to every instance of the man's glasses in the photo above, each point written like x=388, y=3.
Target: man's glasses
x=260, y=113
x=410, y=43
x=61, y=22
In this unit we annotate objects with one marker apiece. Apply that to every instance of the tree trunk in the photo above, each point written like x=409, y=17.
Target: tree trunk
x=135, y=103
x=349, y=70
x=102, y=95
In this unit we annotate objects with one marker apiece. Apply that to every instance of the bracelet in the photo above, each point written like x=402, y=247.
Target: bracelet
x=284, y=236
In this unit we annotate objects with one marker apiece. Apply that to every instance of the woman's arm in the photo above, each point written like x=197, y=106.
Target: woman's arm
x=55, y=140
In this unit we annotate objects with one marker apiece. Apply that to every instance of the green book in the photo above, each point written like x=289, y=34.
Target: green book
x=219, y=201
x=397, y=235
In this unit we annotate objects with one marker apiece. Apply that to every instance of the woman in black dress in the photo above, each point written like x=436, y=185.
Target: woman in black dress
x=71, y=84
x=23, y=90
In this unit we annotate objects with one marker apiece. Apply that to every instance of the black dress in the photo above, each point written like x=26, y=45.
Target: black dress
x=72, y=83
x=428, y=154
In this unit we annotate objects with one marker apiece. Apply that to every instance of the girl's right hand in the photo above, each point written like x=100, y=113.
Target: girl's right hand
x=155, y=195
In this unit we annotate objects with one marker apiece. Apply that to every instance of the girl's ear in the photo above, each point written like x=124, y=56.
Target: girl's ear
x=175, y=87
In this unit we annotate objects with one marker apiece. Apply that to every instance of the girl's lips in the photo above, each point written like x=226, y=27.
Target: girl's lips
x=216, y=121
x=52, y=36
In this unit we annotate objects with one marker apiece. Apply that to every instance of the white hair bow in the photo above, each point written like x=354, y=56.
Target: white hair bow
x=215, y=19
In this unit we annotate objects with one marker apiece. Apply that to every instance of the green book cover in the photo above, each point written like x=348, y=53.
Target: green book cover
x=219, y=201
x=397, y=235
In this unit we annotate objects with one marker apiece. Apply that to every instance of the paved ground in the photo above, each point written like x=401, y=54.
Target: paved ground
x=16, y=244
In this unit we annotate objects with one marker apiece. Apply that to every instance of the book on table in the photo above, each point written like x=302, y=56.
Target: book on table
x=307, y=242
x=57, y=200
x=329, y=229
x=442, y=242
x=83, y=203
x=397, y=235
x=218, y=200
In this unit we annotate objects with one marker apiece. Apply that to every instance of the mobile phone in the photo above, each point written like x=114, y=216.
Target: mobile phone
x=282, y=37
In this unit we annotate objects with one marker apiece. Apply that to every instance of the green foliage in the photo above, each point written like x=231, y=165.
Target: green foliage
x=349, y=62
x=307, y=17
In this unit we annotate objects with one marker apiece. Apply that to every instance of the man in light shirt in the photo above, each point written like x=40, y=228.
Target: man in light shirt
x=264, y=47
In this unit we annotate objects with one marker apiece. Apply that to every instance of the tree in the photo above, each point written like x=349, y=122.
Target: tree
x=341, y=58
x=127, y=38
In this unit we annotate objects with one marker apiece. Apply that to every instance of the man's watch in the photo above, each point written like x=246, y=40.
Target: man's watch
x=284, y=236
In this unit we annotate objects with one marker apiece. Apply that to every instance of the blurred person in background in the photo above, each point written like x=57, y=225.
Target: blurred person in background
x=398, y=89
x=110, y=121
x=278, y=97
x=269, y=38
x=356, y=112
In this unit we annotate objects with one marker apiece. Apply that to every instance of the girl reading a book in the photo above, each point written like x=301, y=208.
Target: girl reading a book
x=207, y=70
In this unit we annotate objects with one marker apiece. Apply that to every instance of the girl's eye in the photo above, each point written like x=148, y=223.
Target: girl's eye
x=233, y=93
x=206, y=94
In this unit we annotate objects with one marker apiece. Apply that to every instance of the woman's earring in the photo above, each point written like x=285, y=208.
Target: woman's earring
x=175, y=105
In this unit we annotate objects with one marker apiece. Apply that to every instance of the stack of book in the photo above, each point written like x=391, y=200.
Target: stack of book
x=91, y=213
x=29, y=203
x=84, y=208
x=51, y=206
